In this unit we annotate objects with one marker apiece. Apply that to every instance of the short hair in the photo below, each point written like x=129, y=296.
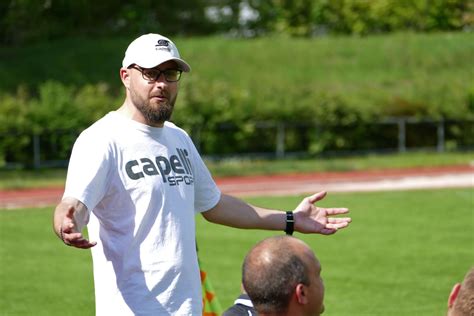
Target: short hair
x=464, y=303
x=270, y=283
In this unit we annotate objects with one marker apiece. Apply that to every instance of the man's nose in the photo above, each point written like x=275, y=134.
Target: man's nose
x=161, y=80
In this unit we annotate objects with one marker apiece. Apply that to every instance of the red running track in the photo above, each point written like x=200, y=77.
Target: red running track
x=291, y=184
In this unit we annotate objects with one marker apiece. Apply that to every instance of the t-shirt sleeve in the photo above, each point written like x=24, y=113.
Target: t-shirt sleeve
x=88, y=169
x=206, y=192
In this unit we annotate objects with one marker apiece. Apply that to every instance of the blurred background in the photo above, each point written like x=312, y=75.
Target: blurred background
x=271, y=78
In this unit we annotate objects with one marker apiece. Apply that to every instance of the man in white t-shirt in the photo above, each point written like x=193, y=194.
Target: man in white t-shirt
x=136, y=180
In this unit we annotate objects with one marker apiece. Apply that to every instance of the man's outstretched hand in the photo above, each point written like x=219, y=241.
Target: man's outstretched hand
x=70, y=235
x=312, y=219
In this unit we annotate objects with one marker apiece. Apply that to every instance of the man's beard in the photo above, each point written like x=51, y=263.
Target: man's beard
x=154, y=115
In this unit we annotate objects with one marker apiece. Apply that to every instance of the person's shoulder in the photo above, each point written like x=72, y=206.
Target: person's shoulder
x=105, y=123
x=175, y=128
x=100, y=130
x=242, y=307
x=239, y=310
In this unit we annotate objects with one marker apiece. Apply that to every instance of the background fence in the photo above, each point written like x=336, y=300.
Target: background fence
x=265, y=140
x=279, y=140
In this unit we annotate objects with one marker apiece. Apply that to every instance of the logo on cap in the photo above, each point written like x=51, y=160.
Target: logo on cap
x=163, y=44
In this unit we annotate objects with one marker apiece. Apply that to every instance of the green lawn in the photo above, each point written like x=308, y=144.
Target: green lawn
x=39, y=276
x=401, y=256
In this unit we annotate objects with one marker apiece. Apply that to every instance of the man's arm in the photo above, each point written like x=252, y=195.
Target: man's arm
x=231, y=211
x=68, y=221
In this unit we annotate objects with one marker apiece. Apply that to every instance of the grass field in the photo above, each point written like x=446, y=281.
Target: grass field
x=401, y=256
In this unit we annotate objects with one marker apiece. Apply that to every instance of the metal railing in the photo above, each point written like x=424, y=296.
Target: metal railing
x=438, y=135
x=267, y=139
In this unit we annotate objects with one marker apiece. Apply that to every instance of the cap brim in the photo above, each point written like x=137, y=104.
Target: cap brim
x=181, y=63
x=184, y=65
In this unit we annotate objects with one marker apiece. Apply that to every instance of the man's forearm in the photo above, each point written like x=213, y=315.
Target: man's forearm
x=231, y=211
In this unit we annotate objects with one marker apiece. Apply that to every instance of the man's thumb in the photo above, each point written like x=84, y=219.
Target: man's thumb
x=70, y=212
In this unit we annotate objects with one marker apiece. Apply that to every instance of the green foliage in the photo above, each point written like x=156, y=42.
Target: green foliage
x=359, y=17
x=330, y=89
x=23, y=21
x=332, y=82
x=15, y=113
x=58, y=113
x=365, y=17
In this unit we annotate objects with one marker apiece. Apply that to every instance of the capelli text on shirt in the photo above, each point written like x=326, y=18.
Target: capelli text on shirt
x=179, y=164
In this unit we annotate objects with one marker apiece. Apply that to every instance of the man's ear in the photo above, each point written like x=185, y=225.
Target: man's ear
x=301, y=295
x=125, y=77
x=454, y=294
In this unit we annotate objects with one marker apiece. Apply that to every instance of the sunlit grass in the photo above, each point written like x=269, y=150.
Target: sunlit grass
x=410, y=247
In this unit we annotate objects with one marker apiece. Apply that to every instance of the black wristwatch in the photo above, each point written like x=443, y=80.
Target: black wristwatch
x=290, y=223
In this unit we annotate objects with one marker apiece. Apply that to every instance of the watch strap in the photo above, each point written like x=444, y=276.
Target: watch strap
x=290, y=223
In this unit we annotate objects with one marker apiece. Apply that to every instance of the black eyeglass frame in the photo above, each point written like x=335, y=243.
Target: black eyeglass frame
x=157, y=73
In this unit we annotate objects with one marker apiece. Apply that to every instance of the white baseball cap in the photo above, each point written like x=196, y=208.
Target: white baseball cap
x=151, y=50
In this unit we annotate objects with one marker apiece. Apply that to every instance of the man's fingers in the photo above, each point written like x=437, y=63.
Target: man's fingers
x=336, y=211
x=83, y=244
x=68, y=228
x=77, y=240
x=70, y=212
x=69, y=233
x=337, y=226
x=72, y=236
x=68, y=221
x=337, y=220
x=317, y=197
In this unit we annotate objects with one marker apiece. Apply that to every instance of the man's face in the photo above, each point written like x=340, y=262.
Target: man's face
x=316, y=287
x=154, y=99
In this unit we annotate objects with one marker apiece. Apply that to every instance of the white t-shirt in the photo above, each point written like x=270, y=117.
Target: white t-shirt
x=142, y=186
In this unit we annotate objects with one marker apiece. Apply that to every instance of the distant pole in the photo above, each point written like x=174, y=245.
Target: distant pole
x=441, y=136
x=280, y=145
x=36, y=151
x=402, y=135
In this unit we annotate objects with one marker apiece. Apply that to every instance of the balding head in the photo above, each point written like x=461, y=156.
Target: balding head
x=461, y=299
x=282, y=274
